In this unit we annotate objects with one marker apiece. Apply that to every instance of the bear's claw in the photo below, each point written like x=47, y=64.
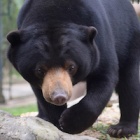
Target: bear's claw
x=122, y=130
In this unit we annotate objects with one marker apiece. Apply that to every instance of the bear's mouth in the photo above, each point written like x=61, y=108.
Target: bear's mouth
x=57, y=86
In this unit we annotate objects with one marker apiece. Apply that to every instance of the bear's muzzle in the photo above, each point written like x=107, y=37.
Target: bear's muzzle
x=57, y=86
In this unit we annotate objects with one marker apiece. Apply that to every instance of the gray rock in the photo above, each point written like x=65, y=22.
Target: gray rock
x=31, y=128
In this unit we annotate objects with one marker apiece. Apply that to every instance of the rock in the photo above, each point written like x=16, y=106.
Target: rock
x=32, y=128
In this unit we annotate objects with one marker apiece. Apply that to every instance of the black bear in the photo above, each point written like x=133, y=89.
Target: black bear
x=62, y=42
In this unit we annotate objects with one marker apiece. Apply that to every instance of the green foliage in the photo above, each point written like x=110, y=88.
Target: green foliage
x=17, y=111
x=10, y=10
x=8, y=18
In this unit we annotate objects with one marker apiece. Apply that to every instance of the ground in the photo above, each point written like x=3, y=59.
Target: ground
x=110, y=115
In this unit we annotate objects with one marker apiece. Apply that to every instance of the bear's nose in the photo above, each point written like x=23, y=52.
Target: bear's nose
x=59, y=97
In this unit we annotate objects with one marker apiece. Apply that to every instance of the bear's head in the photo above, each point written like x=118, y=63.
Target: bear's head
x=54, y=57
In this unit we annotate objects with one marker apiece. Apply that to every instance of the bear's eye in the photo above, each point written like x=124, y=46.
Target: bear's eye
x=71, y=67
x=40, y=72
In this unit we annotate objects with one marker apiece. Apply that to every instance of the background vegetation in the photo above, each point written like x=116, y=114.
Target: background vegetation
x=8, y=14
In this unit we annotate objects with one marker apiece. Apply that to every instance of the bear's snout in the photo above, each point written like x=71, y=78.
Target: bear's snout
x=57, y=86
x=59, y=97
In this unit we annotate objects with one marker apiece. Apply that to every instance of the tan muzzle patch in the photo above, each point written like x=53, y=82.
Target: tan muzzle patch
x=57, y=86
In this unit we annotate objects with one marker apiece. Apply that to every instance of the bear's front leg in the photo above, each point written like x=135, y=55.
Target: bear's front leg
x=77, y=118
x=82, y=115
x=47, y=111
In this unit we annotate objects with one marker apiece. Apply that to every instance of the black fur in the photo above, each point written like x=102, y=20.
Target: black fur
x=53, y=31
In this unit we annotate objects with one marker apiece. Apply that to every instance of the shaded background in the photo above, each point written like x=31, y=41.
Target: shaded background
x=12, y=84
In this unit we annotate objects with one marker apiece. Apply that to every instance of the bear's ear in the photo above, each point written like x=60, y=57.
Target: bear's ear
x=92, y=31
x=14, y=37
